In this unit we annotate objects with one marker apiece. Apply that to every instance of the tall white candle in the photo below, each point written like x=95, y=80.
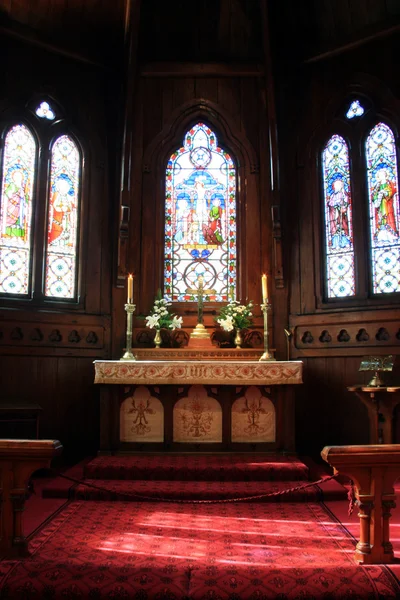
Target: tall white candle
x=130, y=288
x=264, y=286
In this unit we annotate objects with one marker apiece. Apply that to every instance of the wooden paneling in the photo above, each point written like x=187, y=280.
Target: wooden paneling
x=330, y=337
x=47, y=350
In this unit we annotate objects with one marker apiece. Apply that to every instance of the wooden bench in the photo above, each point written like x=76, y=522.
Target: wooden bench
x=18, y=460
x=373, y=469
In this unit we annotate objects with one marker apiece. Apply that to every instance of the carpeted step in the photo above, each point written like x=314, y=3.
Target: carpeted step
x=198, y=467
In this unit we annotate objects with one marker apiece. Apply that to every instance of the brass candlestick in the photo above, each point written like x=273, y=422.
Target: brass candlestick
x=130, y=309
x=267, y=355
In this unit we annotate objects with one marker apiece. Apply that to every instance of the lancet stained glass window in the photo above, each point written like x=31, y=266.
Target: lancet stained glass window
x=62, y=234
x=338, y=219
x=18, y=172
x=383, y=209
x=200, y=220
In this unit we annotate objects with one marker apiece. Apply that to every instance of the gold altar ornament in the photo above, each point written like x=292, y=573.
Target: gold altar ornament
x=200, y=332
x=376, y=364
x=265, y=307
x=130, y=309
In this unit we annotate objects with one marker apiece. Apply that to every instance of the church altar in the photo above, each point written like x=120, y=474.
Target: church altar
x=217, y=404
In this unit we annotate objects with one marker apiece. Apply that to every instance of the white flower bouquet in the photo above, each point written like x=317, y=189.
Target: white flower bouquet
x=235, y=316
x=161, y=318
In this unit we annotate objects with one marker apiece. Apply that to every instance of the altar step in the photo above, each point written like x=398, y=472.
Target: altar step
x=152, y=477
x=225, y=467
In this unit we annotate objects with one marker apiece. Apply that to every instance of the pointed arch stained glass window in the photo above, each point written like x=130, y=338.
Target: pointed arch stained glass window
x=338, y=219
x=63, y=211
x=383, y=188
x=200, y=219
x=18, y=173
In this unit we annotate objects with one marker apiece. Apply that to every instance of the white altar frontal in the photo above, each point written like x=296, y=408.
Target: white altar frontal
x=197, y=405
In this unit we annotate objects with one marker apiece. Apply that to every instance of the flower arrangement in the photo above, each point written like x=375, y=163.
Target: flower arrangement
x=235, y=316
x=160, y=317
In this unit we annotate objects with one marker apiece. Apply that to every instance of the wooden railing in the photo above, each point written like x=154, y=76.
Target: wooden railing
x=18, y=460
x=373, y=469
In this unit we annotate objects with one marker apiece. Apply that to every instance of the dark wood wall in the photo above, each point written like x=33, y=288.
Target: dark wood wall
x=46, y=353
x=312, y=95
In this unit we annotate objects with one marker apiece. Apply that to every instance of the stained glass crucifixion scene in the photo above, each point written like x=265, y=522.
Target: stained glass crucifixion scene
x=200, y=220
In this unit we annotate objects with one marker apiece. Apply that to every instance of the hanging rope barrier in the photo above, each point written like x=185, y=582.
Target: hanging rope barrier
x=139, y=497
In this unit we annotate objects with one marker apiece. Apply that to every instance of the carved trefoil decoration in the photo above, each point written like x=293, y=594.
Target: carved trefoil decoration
x=197, y=417
x=382, y=335
x=343, y=336
x=55, y=336
x=362, y=335
x=17, y=334
x=253, y=418
x=91, y=338
x=74, y=337
x=307, y=338
x=36, y=335
x=325, y=337
x=141, y=417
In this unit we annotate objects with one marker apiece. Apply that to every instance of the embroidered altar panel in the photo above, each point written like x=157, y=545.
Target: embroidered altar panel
x=197, y=417
x=141, y=417
x=253, y=417
x=202, y=405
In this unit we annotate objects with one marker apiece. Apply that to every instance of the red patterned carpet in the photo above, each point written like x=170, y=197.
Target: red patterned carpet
x=119, y=550
x=105, y=550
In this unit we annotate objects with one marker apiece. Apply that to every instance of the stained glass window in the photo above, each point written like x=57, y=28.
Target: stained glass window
x=383, y=209
x=62, y=233
x=355, y=110
x=18, y=172
x=338, y=219
x=44, y=111
x=200, y=220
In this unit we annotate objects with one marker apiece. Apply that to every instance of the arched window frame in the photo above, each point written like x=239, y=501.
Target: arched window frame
x=154, y=164
x=216, y=148
x=45, y=133
x=355, y=132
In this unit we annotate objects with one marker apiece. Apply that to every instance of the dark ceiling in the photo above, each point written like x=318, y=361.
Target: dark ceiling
x=205, y=30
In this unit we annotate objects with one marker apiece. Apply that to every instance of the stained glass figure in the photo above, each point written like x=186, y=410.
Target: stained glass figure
x=338, y=219
x=355, y=110
x=19, y=160
x=383, y=209
x=62, y=233
x=44, y=111
x=200, y=219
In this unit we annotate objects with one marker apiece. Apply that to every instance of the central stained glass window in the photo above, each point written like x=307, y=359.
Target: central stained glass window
x=200, y=220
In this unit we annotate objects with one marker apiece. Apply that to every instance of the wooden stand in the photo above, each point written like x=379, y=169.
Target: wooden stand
x=18, y=460
x=374, y=469
x=379, y=401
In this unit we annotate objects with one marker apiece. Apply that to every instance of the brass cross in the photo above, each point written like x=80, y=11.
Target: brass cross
x=200, y=292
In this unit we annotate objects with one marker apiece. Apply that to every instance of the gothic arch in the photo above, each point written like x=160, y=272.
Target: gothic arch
x=188, y=114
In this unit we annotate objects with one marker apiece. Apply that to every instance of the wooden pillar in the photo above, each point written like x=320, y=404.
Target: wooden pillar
x=374, y=469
